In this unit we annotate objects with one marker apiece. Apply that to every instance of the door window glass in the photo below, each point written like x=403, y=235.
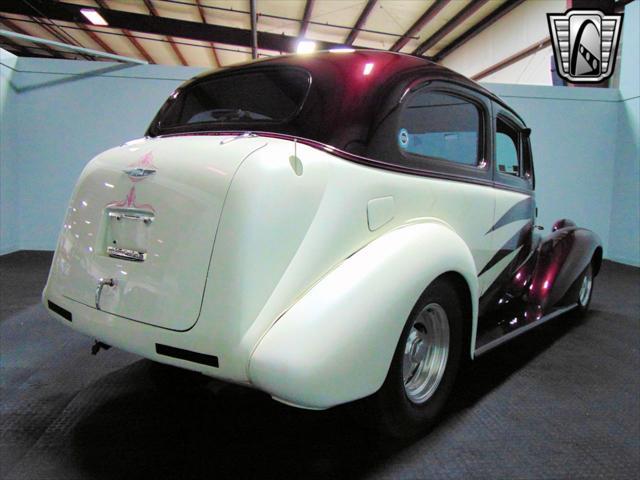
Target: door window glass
x=507, y=158
x=441, y=126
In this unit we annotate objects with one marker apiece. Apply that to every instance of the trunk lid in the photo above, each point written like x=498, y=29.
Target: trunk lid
x=145, y=216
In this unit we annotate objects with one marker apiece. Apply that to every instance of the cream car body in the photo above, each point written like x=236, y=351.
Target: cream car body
x=272, y=260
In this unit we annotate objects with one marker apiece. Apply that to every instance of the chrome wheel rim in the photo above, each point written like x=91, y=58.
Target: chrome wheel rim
x=585, y=289
x=425, y=353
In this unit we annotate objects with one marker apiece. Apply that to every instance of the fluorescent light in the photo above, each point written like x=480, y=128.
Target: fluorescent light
x=367, y=69
x=342, y=50
x=93, y=16
x=306, y=46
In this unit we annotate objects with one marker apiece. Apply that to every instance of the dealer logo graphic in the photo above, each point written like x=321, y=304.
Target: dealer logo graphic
x=585, y=43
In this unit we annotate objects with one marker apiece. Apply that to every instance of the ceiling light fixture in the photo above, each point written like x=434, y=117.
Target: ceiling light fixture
x=306, y=46
x=93, y=16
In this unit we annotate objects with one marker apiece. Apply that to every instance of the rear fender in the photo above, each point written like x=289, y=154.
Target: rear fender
x=336, y=343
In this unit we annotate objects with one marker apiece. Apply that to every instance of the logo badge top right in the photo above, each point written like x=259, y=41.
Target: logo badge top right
x=585, y=43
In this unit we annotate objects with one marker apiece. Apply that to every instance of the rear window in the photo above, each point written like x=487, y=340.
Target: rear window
x=240, y=99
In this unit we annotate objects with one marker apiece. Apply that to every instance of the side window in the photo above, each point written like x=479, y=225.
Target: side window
x=441, y=126
x=507, y=155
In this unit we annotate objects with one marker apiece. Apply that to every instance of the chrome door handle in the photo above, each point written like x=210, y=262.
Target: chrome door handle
x=109, y=282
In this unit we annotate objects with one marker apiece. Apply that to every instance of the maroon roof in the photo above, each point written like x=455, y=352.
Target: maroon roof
x=349, y=90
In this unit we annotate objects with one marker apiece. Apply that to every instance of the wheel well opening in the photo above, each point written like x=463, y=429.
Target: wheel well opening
x=596, y=261
x=464, y=294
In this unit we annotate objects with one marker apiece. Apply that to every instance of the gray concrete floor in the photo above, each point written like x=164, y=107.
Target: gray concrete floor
x=560, y=402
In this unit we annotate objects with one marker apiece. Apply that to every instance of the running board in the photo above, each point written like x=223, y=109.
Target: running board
x=511, y=335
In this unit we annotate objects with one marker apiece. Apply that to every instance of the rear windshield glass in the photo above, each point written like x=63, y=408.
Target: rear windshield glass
x=247, y=98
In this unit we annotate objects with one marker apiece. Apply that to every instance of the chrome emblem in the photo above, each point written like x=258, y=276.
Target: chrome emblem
x=141, y=169
x=585, y=43
x=139, y=172
x=126, y=254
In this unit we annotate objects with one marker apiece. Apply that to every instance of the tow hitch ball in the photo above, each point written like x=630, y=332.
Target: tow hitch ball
x=97, y=346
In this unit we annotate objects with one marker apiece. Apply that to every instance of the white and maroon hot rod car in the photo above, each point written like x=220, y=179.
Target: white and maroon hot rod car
x=324, y=228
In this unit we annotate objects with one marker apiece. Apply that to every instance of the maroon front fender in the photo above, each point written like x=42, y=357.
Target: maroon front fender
x=562, y=257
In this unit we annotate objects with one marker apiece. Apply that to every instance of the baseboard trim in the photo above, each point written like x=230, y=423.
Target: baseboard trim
x=27, y=251
x=8, y=250
x=624, y=260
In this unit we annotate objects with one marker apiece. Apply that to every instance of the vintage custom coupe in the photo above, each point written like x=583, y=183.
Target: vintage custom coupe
x=326, y=228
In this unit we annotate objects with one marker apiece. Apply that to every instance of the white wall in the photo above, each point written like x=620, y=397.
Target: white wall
x=573, y=138
x=68, y=111
x=9, y=186
x=62, y=113
x=517, y=30
x=625, y=205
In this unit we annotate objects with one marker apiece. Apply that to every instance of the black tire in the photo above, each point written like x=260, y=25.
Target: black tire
x=582, y=298
x=395, y=412
x=168, y=377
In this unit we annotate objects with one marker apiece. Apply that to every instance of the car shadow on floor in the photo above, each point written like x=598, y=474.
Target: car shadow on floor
x=135, y=429
x=489, y=371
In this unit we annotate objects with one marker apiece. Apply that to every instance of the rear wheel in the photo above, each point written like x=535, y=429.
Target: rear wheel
x=424, y=365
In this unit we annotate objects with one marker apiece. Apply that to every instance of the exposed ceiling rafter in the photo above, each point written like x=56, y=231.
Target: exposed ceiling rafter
x=174, y=47
x=18, y=29
x=486, y=22
x=128, y=21
x=451, y=25
x=306, y=17
x=64, y=38
x=21, y=49
x=79, y=18
x=277, y=17
x=419, y=24
x=54, y=29
x=59, y=17
x=214, y=53
x=139, y=36
x=29, y=50
x=104, y=45
x=362, y=20
x=136, y=44
x=510, y=60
